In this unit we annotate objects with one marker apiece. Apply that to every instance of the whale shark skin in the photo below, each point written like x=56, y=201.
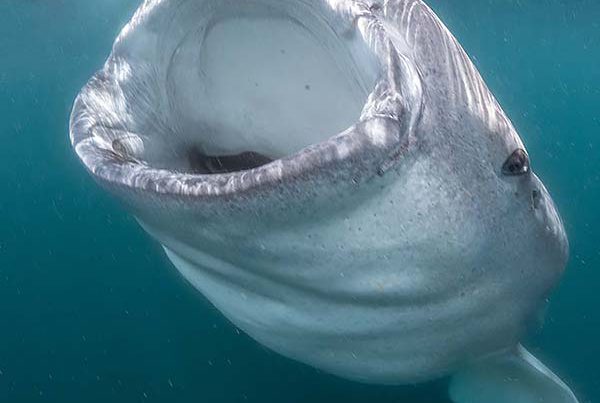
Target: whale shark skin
x=338, y=180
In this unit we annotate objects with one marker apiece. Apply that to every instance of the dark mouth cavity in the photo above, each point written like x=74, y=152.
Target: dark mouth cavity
x=201, y=163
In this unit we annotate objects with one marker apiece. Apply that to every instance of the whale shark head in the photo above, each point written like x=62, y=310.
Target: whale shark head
x=334, y=176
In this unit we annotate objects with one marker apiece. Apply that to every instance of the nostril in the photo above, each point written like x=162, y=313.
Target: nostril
x=536, y=198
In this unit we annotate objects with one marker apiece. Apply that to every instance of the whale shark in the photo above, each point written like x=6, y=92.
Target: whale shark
x=336, y=178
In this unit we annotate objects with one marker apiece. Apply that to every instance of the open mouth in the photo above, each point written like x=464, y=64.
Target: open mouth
x=214, y=98
x=258, y=81
x=208, y=87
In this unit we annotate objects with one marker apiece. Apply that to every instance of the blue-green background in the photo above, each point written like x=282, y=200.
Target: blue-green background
x=91, y=311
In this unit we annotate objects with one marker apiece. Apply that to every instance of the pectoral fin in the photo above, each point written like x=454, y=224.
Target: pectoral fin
x=514, y=377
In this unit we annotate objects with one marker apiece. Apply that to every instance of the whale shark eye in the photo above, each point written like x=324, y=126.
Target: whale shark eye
x=516, y=164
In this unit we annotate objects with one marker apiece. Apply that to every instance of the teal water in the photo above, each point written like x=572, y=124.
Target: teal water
x=90, y=310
